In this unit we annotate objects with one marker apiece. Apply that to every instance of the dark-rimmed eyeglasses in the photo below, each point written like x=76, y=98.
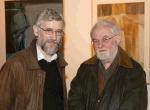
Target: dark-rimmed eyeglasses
x=50, y=31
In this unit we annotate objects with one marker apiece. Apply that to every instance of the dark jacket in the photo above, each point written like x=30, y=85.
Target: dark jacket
x=125, y=90
x=22, y=81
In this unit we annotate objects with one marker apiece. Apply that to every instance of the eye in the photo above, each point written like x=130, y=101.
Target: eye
x=49, y=30
x=95, y=40
x=59, y=31
x=106, y=38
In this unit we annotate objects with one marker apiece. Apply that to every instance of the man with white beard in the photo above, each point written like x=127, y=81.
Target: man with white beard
x=111, y=80
x=34, y=78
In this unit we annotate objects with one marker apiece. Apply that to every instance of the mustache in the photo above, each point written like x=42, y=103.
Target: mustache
x=58, y=43
x=52, y=41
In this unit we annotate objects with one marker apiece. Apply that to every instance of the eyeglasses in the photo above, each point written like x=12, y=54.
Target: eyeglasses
x=50, y=31
x=104, y=40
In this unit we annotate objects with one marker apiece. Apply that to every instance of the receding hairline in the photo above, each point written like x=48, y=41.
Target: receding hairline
x=115, y=29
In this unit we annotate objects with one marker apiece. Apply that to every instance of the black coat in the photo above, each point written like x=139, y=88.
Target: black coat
x=125, y=90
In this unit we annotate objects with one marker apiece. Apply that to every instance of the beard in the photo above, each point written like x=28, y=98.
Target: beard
x=49, y=47
x=107, y=55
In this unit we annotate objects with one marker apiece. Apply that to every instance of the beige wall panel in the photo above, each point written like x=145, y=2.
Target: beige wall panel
x=77, y=40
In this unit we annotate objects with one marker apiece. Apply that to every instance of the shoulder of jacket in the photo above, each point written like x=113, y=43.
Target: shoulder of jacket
x=91, y=61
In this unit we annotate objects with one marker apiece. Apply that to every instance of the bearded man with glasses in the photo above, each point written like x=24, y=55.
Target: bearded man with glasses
x=34, y=78
x=111, y=80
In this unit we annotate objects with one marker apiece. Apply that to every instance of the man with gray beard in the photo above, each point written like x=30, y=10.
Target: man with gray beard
x=34, y=78
x=111, y=80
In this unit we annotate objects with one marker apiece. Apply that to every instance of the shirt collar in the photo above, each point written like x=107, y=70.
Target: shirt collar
x=42, y=55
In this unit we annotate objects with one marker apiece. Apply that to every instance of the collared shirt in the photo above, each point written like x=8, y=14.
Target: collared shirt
x=42, y=55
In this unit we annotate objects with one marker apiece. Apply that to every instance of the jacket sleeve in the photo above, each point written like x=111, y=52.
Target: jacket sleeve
x=75, y=99
x=135, y=97
x=6, y=86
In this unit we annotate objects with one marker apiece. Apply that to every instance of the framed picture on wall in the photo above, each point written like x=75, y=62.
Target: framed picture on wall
x=133, y=17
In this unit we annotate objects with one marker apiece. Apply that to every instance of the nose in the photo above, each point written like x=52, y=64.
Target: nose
x=53, y=36
x=100, y=44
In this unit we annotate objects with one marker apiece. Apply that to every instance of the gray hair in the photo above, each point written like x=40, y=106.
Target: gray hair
x=107, y=23
x=48, y=15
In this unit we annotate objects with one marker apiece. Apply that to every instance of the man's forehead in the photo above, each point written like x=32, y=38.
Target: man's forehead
x=52, y=24
x=102, y=30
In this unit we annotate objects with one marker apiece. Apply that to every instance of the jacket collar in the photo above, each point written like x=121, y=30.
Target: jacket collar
x=124, y=59
x=33, y=57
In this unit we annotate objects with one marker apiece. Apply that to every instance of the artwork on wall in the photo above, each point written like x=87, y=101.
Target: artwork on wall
x=16, y=25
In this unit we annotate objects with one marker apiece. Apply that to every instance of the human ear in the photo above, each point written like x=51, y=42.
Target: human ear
x=35, y=30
